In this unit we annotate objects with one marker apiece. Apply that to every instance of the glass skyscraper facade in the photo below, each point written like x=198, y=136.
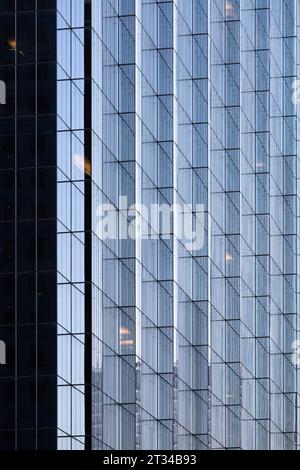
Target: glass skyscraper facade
x=132, y=343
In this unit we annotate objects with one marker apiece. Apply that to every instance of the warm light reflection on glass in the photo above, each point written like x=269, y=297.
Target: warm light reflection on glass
x=229, y=258
x=125, y=335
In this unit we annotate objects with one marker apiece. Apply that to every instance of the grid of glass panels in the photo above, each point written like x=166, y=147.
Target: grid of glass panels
x=28, y=224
